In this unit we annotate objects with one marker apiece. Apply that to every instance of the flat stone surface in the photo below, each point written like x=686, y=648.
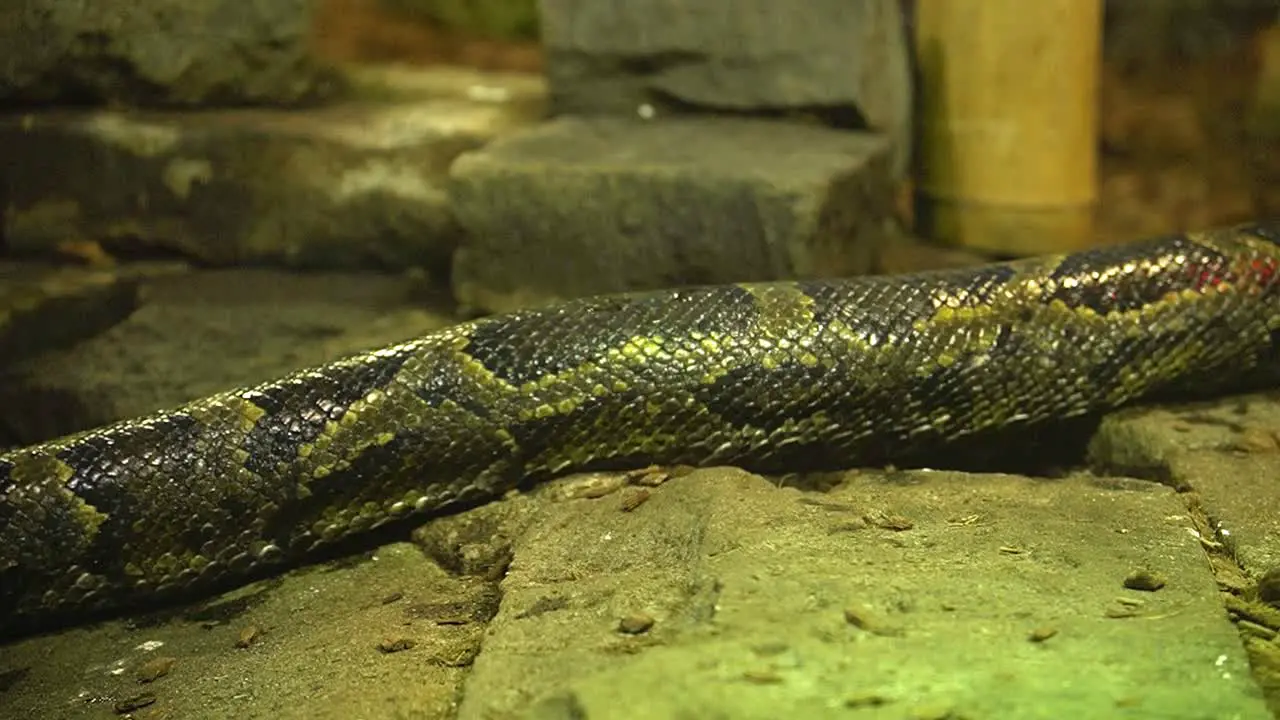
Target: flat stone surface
x=579, y=206
x=45, y=308
x=899, y=595
x=161, y=52
x=355, y=185
x=312, y=651
x=616, y=56
x=751, y=588
x=1225, y=458
x=1226, y=452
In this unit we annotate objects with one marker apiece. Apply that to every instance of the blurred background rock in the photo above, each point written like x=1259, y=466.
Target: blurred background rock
x=328, y=130
x=486, y=34
x=1189, y=93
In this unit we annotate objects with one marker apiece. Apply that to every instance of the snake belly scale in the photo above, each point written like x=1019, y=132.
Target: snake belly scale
x=768, y=376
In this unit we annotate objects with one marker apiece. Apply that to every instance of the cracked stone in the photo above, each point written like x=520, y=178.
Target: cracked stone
x=1201, y=448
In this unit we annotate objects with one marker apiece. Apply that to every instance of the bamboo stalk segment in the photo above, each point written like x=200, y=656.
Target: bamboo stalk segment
x=1007, y=130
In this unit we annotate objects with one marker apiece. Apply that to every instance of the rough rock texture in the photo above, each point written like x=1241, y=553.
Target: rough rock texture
x=161, y=52
x=580, y=206
x=615, y=56
x=1224, y=457
x=918, y=593
x=201, y=332
x=670, y=594
x=48, y=308
x=1228, y=453
x=348, y=185
x=900, y=595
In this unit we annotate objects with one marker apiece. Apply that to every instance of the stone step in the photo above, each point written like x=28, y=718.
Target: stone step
x=1224, y=457
x=579, y=206
x=359, y=184
x=185, y=53
x=899, y=595
x=46, y=308
x=617, y=57
x=199, y=332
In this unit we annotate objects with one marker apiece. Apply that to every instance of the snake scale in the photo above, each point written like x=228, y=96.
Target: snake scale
x=766, y=376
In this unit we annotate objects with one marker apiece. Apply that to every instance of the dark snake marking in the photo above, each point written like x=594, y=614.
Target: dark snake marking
x=821, y=373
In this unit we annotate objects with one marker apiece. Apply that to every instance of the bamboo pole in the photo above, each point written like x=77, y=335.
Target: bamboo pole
x=1007, y=129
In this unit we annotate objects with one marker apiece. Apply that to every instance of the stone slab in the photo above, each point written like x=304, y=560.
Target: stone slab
x=905, y=595
x=618, y=56
x=161, y=53
x=579, y=206
x=199, y=332
x=305, y=647
x=46, y=308
x=1226, y=452
x=900, y=595
x=348, y=186
x=1224, y=456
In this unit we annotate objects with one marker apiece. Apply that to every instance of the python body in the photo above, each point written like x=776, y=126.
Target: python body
x=764, y=376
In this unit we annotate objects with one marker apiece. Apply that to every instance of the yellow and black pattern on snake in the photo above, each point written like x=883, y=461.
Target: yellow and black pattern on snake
x=764, y=376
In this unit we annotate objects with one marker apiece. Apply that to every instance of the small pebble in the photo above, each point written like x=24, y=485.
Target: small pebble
x=1269, y=587
x=889, y=521
x=651, y=476
x=1144, y=580
x=1042, y=633
x=633, y=500
x=866, y=619
x=589, y=486
x=762, y=677
x=136, y=702
x=1120, y=612
x=248, y=635
x=155, y=668
x=867, y=699
x=636, y=624
x=395, y=645
x=1256, y=440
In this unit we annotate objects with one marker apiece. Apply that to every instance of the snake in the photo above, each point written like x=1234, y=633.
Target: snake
x=766, y=376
